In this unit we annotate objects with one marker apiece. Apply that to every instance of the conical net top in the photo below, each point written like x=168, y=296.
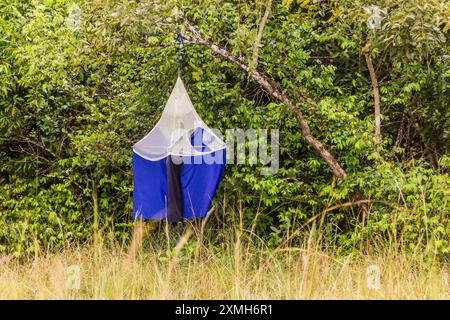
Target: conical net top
x=179, y=132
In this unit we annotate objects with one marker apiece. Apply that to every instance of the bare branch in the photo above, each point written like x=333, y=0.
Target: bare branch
x=260, y=34
x=376, y=96
x=277, y=94
x=363, y=201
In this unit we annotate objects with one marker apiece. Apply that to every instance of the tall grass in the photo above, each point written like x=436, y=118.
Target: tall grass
x=240, y=268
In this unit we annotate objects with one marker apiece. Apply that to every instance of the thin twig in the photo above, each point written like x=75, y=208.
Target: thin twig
x=353, y=203
x=376, y=96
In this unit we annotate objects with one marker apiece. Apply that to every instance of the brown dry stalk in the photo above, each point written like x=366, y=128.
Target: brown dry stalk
x=174, y=261
x=202, y=229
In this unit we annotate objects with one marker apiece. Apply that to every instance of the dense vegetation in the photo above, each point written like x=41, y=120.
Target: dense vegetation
x=82, y=81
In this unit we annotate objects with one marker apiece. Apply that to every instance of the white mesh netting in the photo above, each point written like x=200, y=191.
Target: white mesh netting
x=173, y=134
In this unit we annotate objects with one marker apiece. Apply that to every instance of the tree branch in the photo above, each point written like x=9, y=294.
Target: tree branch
x=260, y=34
x=376, y=97
x=363, y=201
x=334, y=165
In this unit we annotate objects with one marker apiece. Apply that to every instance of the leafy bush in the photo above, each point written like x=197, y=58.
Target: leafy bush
x=80, y=83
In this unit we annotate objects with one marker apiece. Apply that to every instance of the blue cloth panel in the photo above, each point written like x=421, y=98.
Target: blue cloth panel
x=150, y=188
x=199, y=181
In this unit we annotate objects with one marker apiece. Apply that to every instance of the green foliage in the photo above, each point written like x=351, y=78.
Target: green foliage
x=76, y=94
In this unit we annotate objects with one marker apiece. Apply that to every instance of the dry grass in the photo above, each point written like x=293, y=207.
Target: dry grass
x=236, y=271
